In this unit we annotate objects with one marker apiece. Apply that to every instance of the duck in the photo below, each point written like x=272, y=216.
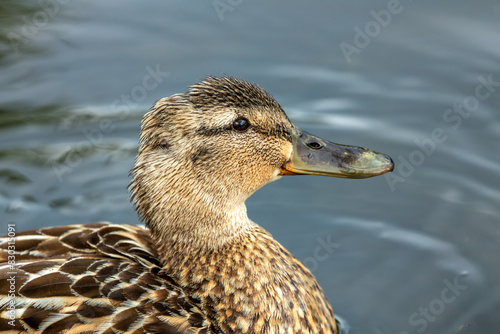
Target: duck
x=199, y=265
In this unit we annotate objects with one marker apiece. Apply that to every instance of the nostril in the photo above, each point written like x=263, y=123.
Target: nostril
x=314, y=145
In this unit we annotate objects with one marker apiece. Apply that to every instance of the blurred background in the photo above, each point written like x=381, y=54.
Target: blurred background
x=416, y=251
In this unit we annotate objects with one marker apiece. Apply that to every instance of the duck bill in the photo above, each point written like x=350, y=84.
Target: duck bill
x=312, y=155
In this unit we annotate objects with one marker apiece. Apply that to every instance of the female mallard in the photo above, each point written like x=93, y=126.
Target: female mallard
x=201, y=266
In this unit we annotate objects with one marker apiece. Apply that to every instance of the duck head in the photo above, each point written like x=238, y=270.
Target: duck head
x=204, y=152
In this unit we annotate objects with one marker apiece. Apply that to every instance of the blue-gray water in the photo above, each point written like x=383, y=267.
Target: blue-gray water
x=417, y=252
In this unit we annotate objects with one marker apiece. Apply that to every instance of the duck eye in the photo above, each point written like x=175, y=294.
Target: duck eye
x=241, y=124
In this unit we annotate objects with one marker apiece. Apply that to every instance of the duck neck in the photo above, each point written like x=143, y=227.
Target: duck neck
x=187, y=214
x=182, y=231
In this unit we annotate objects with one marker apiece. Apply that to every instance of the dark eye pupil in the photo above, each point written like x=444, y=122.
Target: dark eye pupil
x=241, y=124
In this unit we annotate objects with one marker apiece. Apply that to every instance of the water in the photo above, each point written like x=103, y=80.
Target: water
x=415, y=253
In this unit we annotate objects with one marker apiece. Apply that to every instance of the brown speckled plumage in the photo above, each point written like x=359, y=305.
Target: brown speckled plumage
x=201, y=266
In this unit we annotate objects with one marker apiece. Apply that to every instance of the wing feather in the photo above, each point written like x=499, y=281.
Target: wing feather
x=99, y=278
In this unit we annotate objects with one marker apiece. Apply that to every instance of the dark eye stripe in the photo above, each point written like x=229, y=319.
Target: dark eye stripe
x=278, y=131
x=213, y=131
